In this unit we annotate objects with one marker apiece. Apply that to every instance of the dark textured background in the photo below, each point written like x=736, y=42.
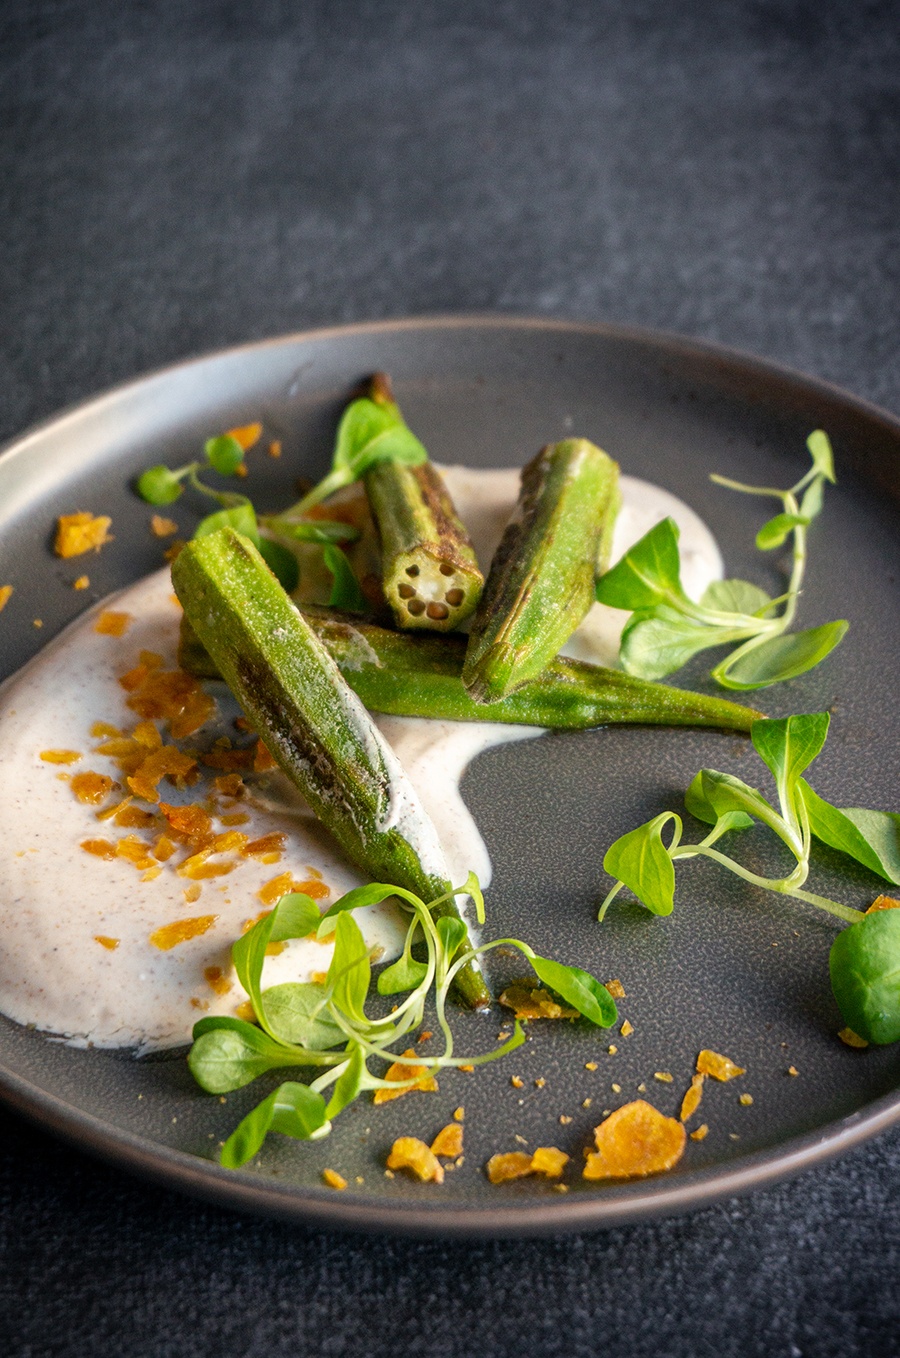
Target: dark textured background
x=173, y=182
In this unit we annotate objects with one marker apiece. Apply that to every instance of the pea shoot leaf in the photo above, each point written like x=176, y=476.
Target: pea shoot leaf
x=404, y=974
x=775, y=532
x=349, y=1083
x=281, y=562
x=642, y=862
x=788, y=746
x=699, y=804
x=865, y=976
x=371, y=432
x=350, y=971
x=577, y=988
x=779, y=658
x=648, y=574
x=813, y=499
x=296, y=1012
x=819, y=446
x=321, y=531
x=292, y=1109
x=295, y=916
x=452, y=934
x=356, y=899
x=871, y=837
x=345, y=590
x=228, y=1053
x=241, y=517
x=656, y=642
x=736, y=596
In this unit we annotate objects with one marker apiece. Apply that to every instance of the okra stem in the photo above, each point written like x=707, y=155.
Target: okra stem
x=430, y=574
x=314, y=725
x=541, y=580
x=420, y=676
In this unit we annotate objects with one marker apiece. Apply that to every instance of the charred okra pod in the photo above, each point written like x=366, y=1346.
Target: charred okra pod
x=541, y=581
x=419, y=676
x=314, y=725
x=430, y=575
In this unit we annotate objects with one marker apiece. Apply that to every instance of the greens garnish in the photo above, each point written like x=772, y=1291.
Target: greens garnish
x=365, y=436
x=325, y=1025
x=865, y=959
x=666, y=628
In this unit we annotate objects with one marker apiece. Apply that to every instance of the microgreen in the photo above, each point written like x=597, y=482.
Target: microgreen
x=865, y=959
x=325, y=1025
x=667, y=628
x=370, y=431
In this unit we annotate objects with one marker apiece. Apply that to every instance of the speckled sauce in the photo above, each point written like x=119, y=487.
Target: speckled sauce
x=77, y=956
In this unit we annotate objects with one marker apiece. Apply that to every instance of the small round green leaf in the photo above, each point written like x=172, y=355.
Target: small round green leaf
x=159, y=485
x=224, y=454
x=865, y=976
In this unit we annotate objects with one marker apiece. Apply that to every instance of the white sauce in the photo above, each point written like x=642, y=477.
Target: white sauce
x=58, y=900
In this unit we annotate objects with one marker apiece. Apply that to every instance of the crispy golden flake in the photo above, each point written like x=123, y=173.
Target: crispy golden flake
x=719, y=1067
x=405, y=1070
x=333, y=1179
x=449, y=1141
x=691, y=1101
x=852, y=1039
x=616, y=989
x=6, y=592
x=700, y=1132
x=501, y=1169
x=170, y=935
x=884, y=903
x=745, y=1099
x=529, y=1001
x=80, y=533
x=161, y=527
x=408, y=1152
x=634, y=1141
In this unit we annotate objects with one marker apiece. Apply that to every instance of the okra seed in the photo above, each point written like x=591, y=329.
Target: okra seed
x=412, y=570
x=416, y=607
x=436, y=611
x=454, y=597
x=446, y=568
x=405, y=591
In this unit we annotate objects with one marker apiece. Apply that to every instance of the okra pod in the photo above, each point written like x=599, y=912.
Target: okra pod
x=430, y=574
x=420, y=676
x=314, y=725
x=541, y=581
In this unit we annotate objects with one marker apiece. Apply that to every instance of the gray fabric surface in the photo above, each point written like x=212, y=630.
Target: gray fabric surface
x=174, y=180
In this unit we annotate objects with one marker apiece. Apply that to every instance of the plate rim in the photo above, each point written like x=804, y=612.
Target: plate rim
x=322, y=1207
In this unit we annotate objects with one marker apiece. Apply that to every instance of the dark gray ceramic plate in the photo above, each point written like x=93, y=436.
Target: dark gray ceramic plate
x=732, y=969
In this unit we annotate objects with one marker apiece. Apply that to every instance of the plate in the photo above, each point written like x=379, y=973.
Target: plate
x=731, y=969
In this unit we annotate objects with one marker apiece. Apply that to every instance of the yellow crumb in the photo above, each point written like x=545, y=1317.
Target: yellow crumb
x=83, y=582
x=459, y=1114
x=275, y=448
x=590, y=1065
x=700, y=1132
x=5, y=595
x=691, y=1101
x=616, y=989
x=246, y=435
x=408, y=1152
x=719, y=1067
x=80, y=533
x=516, y=1082
x=162, y=527
x=792, y=1070
x=852, y=1039
x=333, y=1179
x=663, y=1076
x=109, y=943
x=626, y=1029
